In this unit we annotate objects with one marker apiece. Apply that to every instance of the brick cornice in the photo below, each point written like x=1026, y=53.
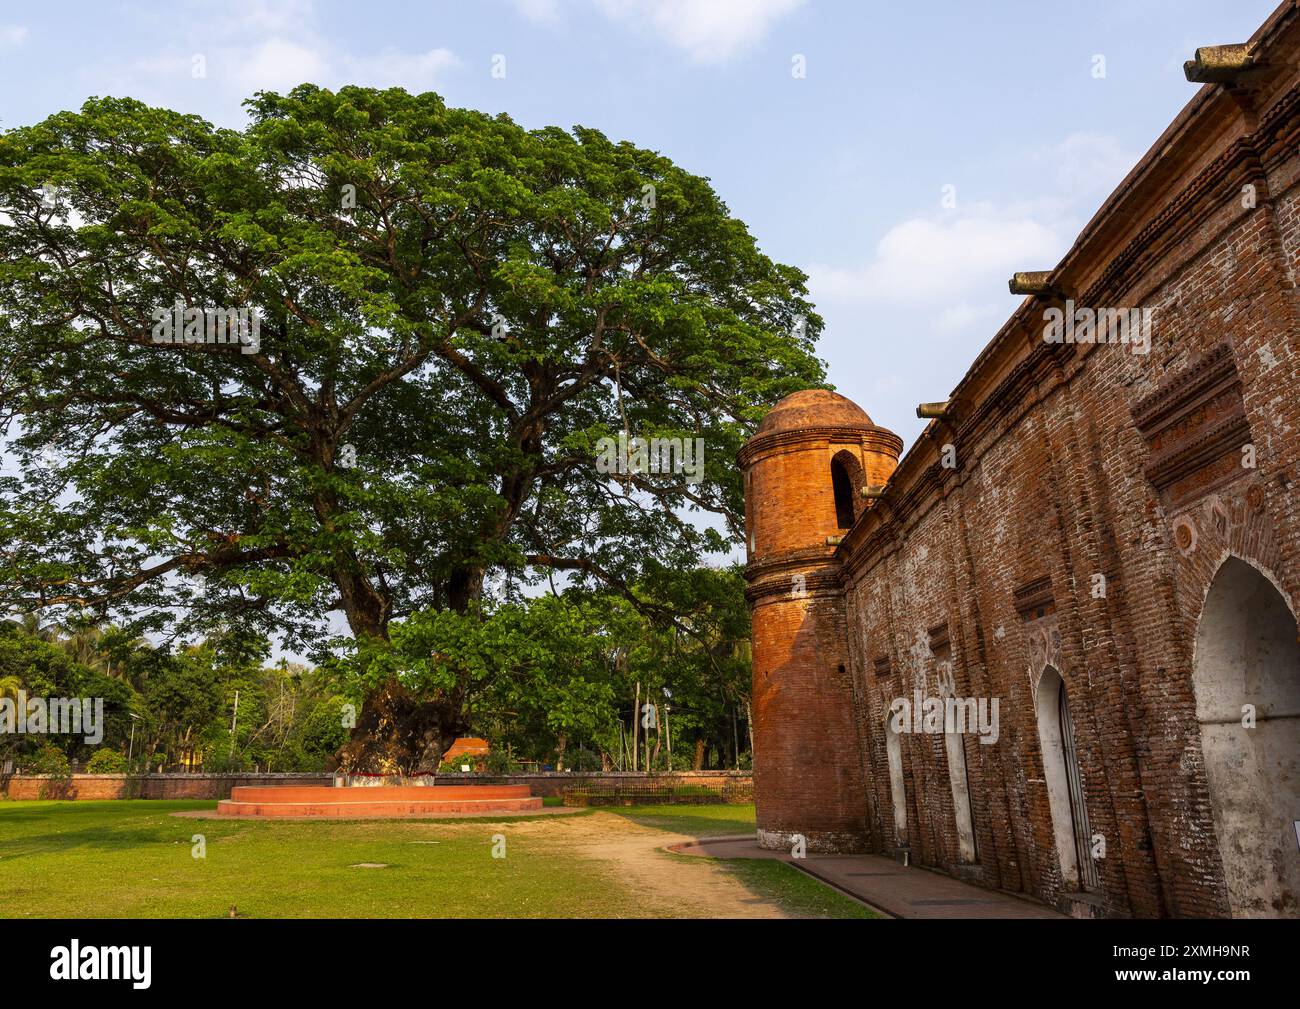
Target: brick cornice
x=816, y=583
x=871, y=437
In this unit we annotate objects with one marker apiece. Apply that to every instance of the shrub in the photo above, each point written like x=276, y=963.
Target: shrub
x=225, y=762
x=500, y=762
x=582, y=760
x=49, y=759
x=106, y=761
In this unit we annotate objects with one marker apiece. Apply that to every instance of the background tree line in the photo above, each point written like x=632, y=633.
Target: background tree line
x=565, y=680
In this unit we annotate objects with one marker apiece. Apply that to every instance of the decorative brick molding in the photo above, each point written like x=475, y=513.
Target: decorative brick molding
x=1034, y=599
x=1195, y=426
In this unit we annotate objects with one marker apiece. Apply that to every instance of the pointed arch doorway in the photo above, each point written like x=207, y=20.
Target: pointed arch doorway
x=1246, y=677
x=1064, y=782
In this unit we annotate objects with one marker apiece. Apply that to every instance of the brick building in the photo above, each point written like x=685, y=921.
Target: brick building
x=1103, y=541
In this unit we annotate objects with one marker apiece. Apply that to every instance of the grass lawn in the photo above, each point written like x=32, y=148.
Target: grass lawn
x=130, y=858
x=793, y=890
x=698, y=821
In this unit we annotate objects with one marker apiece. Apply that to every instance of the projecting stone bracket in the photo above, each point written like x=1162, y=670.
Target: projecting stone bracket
x=1220, y=64
x=1034, y=283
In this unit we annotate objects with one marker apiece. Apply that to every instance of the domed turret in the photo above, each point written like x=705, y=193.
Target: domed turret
x=804, y=472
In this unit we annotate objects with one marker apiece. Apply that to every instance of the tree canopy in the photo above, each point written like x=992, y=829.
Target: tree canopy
x=454, y=311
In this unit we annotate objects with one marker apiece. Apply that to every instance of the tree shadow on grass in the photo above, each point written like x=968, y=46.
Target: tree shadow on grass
x=698, y=822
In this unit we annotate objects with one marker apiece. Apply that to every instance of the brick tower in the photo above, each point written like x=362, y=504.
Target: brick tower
x=804, y=470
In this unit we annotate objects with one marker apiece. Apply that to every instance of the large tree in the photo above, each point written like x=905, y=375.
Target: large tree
x=455, y=309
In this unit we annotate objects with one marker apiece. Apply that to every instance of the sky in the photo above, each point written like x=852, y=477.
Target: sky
x=909, y=157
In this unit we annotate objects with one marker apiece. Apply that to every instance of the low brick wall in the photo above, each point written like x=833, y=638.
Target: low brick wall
x=553, y=783
x=218, y=786
x=147, y=786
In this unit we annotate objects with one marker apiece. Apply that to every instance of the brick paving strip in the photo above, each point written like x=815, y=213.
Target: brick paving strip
x=212, y=814
x=883, y=884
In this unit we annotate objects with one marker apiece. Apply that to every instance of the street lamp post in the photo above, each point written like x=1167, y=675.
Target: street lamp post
x=130, y=751
x=668, y=734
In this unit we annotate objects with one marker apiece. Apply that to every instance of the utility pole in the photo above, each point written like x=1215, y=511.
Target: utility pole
x=130, y=751
x=636, y=722
x=668, y=733
x=650, y=704
x=234, y=719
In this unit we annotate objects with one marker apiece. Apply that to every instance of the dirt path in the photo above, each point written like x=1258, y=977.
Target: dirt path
x=667, y=885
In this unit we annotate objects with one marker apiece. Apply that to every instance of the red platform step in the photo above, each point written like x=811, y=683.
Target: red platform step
x=376, y=801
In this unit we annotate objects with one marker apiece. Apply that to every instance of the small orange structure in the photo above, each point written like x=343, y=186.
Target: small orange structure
x=467, y=746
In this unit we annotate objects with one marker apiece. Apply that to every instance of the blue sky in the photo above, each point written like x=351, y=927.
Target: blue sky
x=840, y=171
x=1030, y=111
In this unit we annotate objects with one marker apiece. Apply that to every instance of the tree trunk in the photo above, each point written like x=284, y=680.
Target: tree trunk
x=698, y=763
x=398, y=732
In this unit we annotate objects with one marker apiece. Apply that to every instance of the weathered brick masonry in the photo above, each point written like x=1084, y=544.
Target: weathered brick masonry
x=1106, y=541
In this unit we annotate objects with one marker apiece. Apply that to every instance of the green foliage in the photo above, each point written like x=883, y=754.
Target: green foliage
x=420, y=418
x=497, y=301
x=106, y=761
x=48, y=759
x=500, y=760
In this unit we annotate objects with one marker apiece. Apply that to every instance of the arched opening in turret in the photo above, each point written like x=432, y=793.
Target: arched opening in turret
x=846, y=481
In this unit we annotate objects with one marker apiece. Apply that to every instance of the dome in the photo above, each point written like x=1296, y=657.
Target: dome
x=814, y=408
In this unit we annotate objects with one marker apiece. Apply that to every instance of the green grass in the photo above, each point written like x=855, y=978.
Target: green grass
x=131, y=858
x=772, y=879
x=797, y=892
x=698, y=821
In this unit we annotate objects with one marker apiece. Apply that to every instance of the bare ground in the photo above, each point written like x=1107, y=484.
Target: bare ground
x=666, y=885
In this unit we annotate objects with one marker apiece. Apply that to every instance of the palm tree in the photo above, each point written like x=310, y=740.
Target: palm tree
x=30, y=623
x=84, y=643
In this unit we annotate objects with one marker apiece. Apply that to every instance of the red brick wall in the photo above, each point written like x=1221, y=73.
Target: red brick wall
x=151, y=786
x=218, y=786
x=1052, y=486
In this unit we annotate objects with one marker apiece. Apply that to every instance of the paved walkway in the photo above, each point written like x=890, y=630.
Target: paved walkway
x=904, y=892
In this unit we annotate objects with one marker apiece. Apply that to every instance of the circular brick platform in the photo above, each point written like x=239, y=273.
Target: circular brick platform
x=376, y=801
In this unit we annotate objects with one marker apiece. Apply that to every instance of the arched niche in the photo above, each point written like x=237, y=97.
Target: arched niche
x=897, y=788
x=1246, y=677
x=1064, y=782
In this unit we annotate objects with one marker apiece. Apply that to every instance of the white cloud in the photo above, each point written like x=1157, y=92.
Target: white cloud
x=266, y=17
x=271, y=45
x=1086, y=166
x=711, y=31
x=540, y=11
x=274, y=65
x=390, y=68
x=964, y=316
x=957, y=262
x=938, y=260
x=12, y=36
